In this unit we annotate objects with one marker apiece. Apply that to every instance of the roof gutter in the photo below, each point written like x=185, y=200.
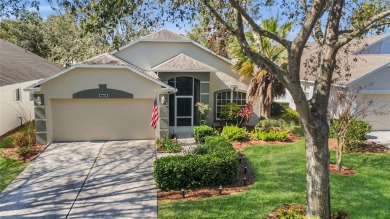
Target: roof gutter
x=33, y=88
x=168, y=90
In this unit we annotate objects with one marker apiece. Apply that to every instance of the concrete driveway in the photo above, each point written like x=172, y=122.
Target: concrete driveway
x=380, y=137
x=110, y=179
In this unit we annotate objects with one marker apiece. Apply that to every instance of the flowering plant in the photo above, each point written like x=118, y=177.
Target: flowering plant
x=245, y=113
x=203, y=110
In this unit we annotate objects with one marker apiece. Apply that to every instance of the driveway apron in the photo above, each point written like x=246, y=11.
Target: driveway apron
x=85, y=180
x=121, y=184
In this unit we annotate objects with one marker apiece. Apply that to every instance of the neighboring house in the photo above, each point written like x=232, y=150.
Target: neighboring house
x=18, y=69
x=110, y=97
x=371, y=70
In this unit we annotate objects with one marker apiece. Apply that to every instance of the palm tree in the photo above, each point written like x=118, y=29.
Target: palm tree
x=263, y=85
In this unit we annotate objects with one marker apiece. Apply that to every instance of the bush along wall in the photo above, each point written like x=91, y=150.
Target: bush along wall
x=214, y=163
x=200, y=132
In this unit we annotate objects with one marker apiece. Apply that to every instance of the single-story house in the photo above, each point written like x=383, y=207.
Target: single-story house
x=19, y=69
x=111, y=96
x=368, y=64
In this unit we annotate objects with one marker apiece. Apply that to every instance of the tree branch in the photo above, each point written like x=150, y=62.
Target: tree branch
x=257, y=58
x=284, y=42
x=311, y=18
x=354, y=32
x=218, y=16
x=318, y=34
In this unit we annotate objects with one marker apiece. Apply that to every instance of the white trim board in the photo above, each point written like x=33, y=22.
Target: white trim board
x=33, y=86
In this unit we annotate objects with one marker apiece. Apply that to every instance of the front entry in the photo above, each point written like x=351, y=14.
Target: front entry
x=183, y=115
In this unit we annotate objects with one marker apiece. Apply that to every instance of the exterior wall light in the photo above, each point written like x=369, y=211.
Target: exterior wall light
x=183, y=195
x=232, y=87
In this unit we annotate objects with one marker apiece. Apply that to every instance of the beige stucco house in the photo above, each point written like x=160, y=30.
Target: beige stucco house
x=110, y=97
x=368, y=61
x=19, y=69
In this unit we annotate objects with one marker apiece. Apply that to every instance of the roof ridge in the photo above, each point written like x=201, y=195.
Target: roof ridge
x=189, y=63
x=94, y=57
x=155, y=35
x=167, y=60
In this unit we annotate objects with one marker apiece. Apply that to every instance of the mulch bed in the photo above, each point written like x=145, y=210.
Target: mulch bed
x=194, y=194
x=345, y=171
x=365, y=147
x=240, y=145
x=301, y=210
x=11, y=153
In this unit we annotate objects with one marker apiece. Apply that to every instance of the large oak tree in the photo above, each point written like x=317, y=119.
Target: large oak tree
x=331, y=23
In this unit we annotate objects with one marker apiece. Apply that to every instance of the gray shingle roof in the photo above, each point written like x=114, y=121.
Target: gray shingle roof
x=182, y=62
x=164, y=35
x=358, y=64
x=19, y=65
x=108, y=59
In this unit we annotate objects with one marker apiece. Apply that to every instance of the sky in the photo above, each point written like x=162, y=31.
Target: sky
x=45, y=10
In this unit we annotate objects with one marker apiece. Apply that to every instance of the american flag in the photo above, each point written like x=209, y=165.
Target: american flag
x=154, y=119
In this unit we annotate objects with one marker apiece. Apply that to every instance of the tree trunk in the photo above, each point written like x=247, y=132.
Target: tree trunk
x=317, y=157
x=266, y=110
x=339, y=154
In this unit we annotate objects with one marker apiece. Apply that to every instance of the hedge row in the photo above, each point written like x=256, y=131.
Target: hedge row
x=200, y=132
x=212, y=164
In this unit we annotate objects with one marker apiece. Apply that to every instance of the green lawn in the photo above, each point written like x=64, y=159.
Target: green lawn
x=280, y=179
x=9, y=169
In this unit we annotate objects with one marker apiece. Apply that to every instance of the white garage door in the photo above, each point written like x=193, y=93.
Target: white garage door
x=108, y=119
x=378, y=114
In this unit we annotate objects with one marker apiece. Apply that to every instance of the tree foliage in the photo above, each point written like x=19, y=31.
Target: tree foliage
x=26, y=32
x=61, y=39
x=68, y=43
x=58, y=39
x=263, y=84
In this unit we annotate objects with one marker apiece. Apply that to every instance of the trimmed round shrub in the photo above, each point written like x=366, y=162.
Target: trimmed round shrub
x=216, y=165
x=200, y=132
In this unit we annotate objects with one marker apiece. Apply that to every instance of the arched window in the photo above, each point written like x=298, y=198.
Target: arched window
x=224, y=97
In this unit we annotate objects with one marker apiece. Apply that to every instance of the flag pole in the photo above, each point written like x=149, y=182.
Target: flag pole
x=154, y=118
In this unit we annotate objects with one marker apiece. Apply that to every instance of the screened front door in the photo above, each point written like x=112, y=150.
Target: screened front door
x=182, y=112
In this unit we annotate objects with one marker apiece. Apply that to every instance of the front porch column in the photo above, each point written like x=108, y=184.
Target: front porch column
x=163, y=113
x=40, y=118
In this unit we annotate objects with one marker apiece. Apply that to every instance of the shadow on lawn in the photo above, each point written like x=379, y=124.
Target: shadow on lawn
x=119, y=185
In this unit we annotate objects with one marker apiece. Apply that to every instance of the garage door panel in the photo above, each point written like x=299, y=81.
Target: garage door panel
x=378, y=113
x=110, y=119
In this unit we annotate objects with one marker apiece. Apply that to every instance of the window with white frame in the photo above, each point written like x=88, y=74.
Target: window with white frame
x=17, y=95
x=224, y=97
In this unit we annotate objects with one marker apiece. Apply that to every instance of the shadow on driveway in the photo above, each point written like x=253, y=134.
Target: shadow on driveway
x=85, y=180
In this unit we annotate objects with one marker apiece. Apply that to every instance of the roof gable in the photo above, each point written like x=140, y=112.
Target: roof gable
x=182, y=62
x=19, y=65
x=108, y=59
x=164, y=34
x=169, y=36
x=100, y=66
